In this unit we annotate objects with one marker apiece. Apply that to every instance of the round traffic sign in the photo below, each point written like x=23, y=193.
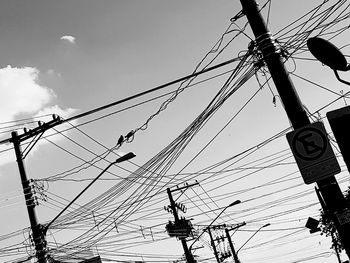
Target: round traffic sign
x=309, y=143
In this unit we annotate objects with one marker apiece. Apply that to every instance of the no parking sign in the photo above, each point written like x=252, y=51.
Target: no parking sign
x=313, y=152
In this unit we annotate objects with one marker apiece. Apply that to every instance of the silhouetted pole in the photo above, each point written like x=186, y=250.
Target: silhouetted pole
x=335, y=243
x=188, y=254
x=328, y=187
x=213, y=245
x=326, y=213
x=38, y=238
x=211, y=223
x=234, y=254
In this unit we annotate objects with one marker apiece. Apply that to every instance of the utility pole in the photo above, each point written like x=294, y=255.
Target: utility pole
x=227, y=231
x=328, y=187
x=223, y=255
x=326, y=213
x=234, y=254
x=38, y=238
x=180, y=225
x=37, y=229
x=213, y=245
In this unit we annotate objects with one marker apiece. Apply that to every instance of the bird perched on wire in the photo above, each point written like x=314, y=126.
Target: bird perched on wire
x=120, y=140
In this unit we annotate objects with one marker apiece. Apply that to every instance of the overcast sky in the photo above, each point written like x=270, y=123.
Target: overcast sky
x=68, y=57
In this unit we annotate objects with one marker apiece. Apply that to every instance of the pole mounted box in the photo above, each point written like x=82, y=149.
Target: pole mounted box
x=180, y=229
x=339, y=121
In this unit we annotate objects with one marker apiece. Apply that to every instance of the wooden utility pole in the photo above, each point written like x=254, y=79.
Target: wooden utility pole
x=328, y=187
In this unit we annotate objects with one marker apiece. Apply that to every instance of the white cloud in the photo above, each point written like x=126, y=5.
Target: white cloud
x=44, y=115
x=53, y=73
x=63, y=113
x=21, y=93
x=54, y=110
x=68, y=38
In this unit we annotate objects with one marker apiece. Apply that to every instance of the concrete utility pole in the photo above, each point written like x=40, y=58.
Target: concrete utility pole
x=227, y=231
x=38, y=238
x=234, y=254
x=188, y=254
x=328, y=187
x=37, y=229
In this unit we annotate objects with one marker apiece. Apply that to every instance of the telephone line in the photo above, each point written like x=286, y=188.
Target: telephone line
x=78, y=116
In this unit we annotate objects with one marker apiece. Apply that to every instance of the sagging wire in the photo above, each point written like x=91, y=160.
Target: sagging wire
x=183, y=86
x=107, y=226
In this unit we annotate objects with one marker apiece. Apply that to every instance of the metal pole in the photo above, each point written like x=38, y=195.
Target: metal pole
x=234, y=254
x=188, y=254
x=38, y=237
x=119, y=160
x=83, y=191
x=328, y=187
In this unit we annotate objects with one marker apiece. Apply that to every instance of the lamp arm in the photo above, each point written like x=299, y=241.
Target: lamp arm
x=208, y=226
x=248, y=240
x=338, y=77
x=252, y=236
x=212, y=222
x=46, y=227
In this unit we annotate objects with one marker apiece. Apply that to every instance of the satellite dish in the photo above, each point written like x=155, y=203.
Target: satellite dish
x=327, y=53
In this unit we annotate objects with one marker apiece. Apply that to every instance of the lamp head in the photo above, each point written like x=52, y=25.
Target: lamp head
x=234, y=203
x=327, y=53
x=125, y=157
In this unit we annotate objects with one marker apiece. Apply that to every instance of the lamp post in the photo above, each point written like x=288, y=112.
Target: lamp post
x=252, y=236
x=123, y=158
x=212, y=222
x=223, y=210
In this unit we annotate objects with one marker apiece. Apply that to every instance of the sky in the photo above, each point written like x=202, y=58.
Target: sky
x=220, y=136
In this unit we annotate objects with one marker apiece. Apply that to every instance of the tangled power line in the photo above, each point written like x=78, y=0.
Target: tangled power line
x=115, y=218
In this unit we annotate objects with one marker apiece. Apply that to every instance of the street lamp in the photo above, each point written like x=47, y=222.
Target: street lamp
x=253, y=236
x=123, y=158
x=212, y=222
x=223, y=210
x=328, y=54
